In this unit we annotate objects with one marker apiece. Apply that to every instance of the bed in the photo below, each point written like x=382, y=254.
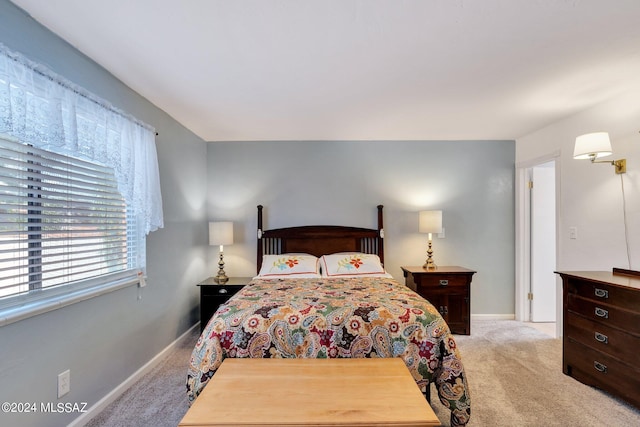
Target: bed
x=322, y=292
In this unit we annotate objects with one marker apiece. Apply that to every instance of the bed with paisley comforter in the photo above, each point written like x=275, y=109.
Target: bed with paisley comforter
x=304, y=303
x=337, y=317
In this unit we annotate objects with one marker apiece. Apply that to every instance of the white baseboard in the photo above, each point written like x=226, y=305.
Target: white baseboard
x=493, y=316
x=99, y=406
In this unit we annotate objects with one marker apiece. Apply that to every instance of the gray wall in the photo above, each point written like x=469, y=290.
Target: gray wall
x=106, y=339
x=337, y=182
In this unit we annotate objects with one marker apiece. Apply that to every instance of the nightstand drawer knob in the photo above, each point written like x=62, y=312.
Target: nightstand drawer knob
x=601, y=312
x=602, y=338
x=602, y=293
x=444, y=282
x=222, y=291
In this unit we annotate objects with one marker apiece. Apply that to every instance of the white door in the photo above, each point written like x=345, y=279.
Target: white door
x=543, y=243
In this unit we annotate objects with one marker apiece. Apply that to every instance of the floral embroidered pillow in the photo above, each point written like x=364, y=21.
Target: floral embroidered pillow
x=296, y=265
x=351, y=264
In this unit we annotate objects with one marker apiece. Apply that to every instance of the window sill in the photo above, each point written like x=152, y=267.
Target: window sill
x=50, y=301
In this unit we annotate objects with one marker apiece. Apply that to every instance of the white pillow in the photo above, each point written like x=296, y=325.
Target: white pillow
x=351, y=264
x=289, y=265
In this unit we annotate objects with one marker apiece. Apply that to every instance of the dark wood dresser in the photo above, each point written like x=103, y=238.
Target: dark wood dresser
x=601, y=330
x=448, y=288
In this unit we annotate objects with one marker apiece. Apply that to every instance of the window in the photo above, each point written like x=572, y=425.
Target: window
x=79, y=191
x=62, y=220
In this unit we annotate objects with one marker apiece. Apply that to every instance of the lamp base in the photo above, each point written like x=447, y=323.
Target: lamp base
x=429, y=264
x=221, y=277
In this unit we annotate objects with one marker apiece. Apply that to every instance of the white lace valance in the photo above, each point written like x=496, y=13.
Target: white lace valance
x=42, y=108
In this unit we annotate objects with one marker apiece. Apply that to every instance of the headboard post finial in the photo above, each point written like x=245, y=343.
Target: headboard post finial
x=259, y=249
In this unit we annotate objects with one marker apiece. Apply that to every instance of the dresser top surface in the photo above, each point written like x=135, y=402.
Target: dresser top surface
x=606, y=277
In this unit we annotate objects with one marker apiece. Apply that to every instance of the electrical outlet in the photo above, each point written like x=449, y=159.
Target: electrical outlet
x=64, y=383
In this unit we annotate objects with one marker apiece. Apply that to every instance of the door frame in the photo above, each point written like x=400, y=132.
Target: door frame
x=523, y=240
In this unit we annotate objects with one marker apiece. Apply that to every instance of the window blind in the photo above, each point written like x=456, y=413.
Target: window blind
x=62, y=220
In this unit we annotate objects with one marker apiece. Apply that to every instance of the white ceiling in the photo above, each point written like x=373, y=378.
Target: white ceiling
x=359, y=69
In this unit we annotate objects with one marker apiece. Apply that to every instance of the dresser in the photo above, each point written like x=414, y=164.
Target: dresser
x=601, y=330
x=213, y=294
x=448, y=288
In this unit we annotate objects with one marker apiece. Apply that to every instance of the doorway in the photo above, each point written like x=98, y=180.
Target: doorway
x=538, y=292
x=542, y=232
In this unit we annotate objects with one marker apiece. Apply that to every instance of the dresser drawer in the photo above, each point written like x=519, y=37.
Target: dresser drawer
x=600, y=370
x=624, y=298
x=600, y=337
x=605, y=314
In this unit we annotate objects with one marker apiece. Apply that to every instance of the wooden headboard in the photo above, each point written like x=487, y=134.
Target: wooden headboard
x=320, y=240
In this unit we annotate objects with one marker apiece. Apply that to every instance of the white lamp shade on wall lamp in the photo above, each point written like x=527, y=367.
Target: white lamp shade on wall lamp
x=594, y=145
x=221, y=233
x=430, y=222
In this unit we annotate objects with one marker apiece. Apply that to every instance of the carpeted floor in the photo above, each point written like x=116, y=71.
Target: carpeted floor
x=515, y=376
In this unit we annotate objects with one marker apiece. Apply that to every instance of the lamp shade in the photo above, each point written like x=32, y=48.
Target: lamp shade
x=220, y=233
x=592, y=145
x=431, y=221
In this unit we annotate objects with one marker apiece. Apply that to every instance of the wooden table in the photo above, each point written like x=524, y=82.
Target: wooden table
x=311, y=392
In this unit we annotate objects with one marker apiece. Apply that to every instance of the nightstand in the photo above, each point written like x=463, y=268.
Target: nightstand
x=213, y=294
x=448, y=288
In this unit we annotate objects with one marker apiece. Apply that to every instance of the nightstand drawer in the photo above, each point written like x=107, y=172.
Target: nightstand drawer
x=220, y=290
x=441, y=281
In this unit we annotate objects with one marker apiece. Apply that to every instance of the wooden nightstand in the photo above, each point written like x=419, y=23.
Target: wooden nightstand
x=448, y=288
x=213, y=294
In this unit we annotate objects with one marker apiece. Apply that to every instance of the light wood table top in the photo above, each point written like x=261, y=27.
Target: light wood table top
x=311, y=392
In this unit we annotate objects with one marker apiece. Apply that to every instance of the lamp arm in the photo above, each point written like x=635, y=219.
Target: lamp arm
x=620, y=165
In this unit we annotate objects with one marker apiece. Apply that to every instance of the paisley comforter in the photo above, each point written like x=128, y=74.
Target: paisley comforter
x=327, y=318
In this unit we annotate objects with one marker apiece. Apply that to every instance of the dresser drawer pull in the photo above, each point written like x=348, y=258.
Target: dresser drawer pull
x=602, y=293
x=601, y=312
x=600, y=367
x=222, y=291
x=602, y=338
x=444, y=282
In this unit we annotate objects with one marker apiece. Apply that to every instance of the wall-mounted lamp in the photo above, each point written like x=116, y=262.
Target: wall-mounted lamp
x=592, y=146
x=430, y=222
x=221, y=233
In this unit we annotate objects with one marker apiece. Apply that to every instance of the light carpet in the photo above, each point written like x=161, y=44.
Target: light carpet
x=514, y=371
